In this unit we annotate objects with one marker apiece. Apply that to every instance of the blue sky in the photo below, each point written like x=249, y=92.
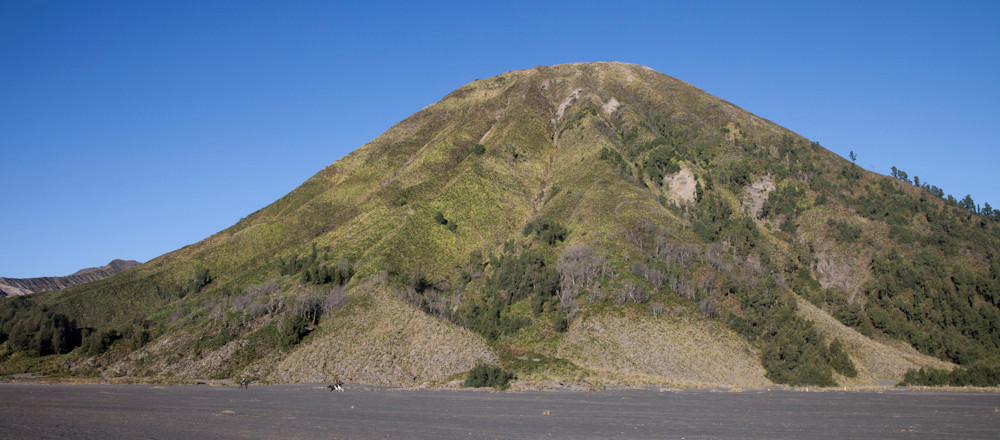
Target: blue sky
x=131, y=129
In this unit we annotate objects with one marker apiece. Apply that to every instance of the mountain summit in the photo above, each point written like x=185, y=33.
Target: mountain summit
x=596, y=223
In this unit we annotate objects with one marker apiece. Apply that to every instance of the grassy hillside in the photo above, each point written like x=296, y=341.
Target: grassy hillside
x=596, y=223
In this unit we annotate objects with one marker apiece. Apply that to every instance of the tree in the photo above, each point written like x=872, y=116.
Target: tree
x=854, y=157
x=968, y=204
x=916, y=180
x=900, y=174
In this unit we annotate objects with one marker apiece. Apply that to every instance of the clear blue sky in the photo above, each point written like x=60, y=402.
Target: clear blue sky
x=130, y=129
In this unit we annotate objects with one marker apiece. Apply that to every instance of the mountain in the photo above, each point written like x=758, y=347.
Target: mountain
x=24, y=286
x=591, y=224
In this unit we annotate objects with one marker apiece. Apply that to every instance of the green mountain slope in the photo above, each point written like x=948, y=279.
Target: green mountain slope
x=598, y=223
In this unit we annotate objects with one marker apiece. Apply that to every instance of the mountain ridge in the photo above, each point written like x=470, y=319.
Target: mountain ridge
x=25, y=286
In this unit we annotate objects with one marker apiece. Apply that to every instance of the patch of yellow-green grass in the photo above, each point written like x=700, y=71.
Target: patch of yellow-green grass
x=538, y=371
x=19, y=363
x=686, y=350
x=388, y=343
x=539, y=336
x=481, y=208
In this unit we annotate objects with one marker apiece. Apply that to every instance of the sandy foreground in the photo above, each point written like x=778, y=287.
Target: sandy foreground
x=54, y=411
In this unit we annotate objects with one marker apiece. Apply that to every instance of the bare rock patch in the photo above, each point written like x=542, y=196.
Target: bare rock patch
x=683, y=186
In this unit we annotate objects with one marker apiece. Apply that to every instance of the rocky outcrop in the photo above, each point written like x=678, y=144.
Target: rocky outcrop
x=24, y=286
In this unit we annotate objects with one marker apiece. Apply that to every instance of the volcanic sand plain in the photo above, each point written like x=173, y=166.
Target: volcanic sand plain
x=55, y=411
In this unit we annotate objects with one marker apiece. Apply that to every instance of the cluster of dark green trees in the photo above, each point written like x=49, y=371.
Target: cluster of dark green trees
x=843, y=232
x=134, y=335
x=792, y=350
x=784, y=200
x=657, y=157
x=519, y=273
x=516, y=275
x=966, y=203
x=36, y=331
x=715, y=221
x=923, y=291
x=548, y=231
x=660, y=162
x=32, y=330
x=983, y=373
x=313, y=269
x=941, y=309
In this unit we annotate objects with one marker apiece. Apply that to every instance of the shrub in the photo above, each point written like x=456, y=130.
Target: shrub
x=579, y=267
x=632, y=291
x=854, y=316
x=840, y=361
x=485, y=375
x=136, y=336
x=656, y=308
x=312, y=270
x=334, y=301
x=246, y=300
x=562, y=323
x=292, y=330
x=707, y=308
x=548, y=231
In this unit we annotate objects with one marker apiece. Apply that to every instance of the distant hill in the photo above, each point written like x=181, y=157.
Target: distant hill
x=24, y=286
x=587, y=224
